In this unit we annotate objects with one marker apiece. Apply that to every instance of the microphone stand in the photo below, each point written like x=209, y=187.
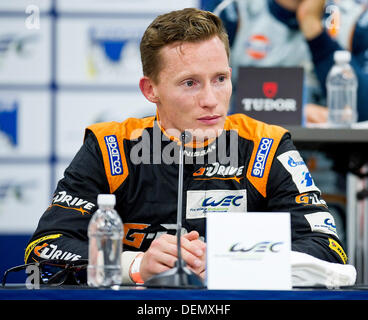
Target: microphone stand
x=179, y=275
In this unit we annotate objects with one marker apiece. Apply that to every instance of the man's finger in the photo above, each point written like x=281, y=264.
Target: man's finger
x=193, y=235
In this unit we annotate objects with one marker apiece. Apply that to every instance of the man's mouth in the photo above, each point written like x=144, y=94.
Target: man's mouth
x=210, y=120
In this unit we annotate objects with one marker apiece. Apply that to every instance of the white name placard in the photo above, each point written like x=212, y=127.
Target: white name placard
x=249, y=251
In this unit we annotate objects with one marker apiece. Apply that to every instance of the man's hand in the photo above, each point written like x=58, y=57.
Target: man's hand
x=201, y=270
x=315, y=113
x=309, y=15
x=162, y=254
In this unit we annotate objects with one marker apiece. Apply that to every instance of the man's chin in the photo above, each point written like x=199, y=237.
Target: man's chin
x=199, y=134
x=204, y=134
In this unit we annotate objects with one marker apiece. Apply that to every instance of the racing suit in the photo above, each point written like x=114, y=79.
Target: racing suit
x=251, y=166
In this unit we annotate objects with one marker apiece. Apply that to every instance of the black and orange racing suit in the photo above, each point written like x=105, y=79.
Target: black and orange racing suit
x=137, y=161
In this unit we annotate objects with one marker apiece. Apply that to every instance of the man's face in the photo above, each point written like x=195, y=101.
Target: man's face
x=194, y=87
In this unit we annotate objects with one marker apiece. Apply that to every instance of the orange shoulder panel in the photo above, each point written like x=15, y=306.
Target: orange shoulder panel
x=110, y=137
x=266, y=139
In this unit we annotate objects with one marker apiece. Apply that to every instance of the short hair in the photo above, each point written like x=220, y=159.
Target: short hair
x=186, y=25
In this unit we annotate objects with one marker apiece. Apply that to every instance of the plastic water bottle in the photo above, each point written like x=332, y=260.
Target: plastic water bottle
x=342, y=85
x=105, y=232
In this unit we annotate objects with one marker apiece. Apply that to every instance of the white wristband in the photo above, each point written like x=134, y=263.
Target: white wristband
x=135, y=268
x=127, y=259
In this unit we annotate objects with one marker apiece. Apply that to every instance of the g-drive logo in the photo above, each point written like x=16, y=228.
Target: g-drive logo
x=261, y=157
x=113, y=150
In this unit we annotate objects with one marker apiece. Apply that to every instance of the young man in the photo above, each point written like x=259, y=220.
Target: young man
x=185, y=58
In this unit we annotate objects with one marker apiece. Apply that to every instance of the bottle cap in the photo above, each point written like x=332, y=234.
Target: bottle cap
x=106, y=199
x=342, y=56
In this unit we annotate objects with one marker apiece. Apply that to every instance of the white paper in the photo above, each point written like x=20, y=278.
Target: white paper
x=248, y=251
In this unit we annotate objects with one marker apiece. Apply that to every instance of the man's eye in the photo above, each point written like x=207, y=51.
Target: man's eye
x=221, y=78
x=189, y=83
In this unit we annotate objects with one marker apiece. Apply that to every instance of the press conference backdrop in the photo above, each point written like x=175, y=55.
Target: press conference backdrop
x=64, y=64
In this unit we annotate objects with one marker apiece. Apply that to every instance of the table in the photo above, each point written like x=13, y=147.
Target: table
x=70, y=292
x=328, y=135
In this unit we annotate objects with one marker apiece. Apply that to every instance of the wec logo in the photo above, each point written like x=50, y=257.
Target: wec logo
x=261, y=157
x=113, y=150
x=260, y=247
x=256, y=251
x=224, y=202
x=329, y=222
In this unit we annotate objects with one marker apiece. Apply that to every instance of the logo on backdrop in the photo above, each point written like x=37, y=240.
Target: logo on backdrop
x=270, y=89
x=257, y=46
x=16, y=44
x=271, y=94
x=112, y=50
x=14, y=191
x=8, y=123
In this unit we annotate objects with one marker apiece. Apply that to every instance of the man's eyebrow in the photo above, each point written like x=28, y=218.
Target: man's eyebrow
x=226, y=72
x=188, y=75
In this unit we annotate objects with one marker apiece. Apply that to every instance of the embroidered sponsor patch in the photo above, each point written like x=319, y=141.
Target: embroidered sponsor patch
x=51, y=251
x=310, y=199
x=322, y=222
x=334, y=245
x=200, y=202
x=261, y=157
x=217, y=171
x=116, y=166
x=294, y=164
x=34, y=243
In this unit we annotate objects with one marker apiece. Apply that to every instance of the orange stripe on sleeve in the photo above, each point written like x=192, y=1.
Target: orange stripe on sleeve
x=110, y=137
x=255, y=131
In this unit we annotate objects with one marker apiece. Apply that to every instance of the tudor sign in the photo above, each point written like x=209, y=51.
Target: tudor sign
x=272, y=95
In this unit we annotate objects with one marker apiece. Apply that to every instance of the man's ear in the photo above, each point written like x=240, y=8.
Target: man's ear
x=148, y=89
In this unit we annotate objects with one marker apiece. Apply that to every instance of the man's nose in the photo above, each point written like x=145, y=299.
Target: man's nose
x=207, y=97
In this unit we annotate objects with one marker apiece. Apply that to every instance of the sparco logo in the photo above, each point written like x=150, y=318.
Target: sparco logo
x=261, y=157
x=112, y=145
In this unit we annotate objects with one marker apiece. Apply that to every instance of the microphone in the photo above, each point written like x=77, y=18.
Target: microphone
x=179, y=275
x=185, y=137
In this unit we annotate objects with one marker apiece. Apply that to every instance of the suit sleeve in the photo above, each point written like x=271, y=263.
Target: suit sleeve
x=62, y=229
x=291, y=189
